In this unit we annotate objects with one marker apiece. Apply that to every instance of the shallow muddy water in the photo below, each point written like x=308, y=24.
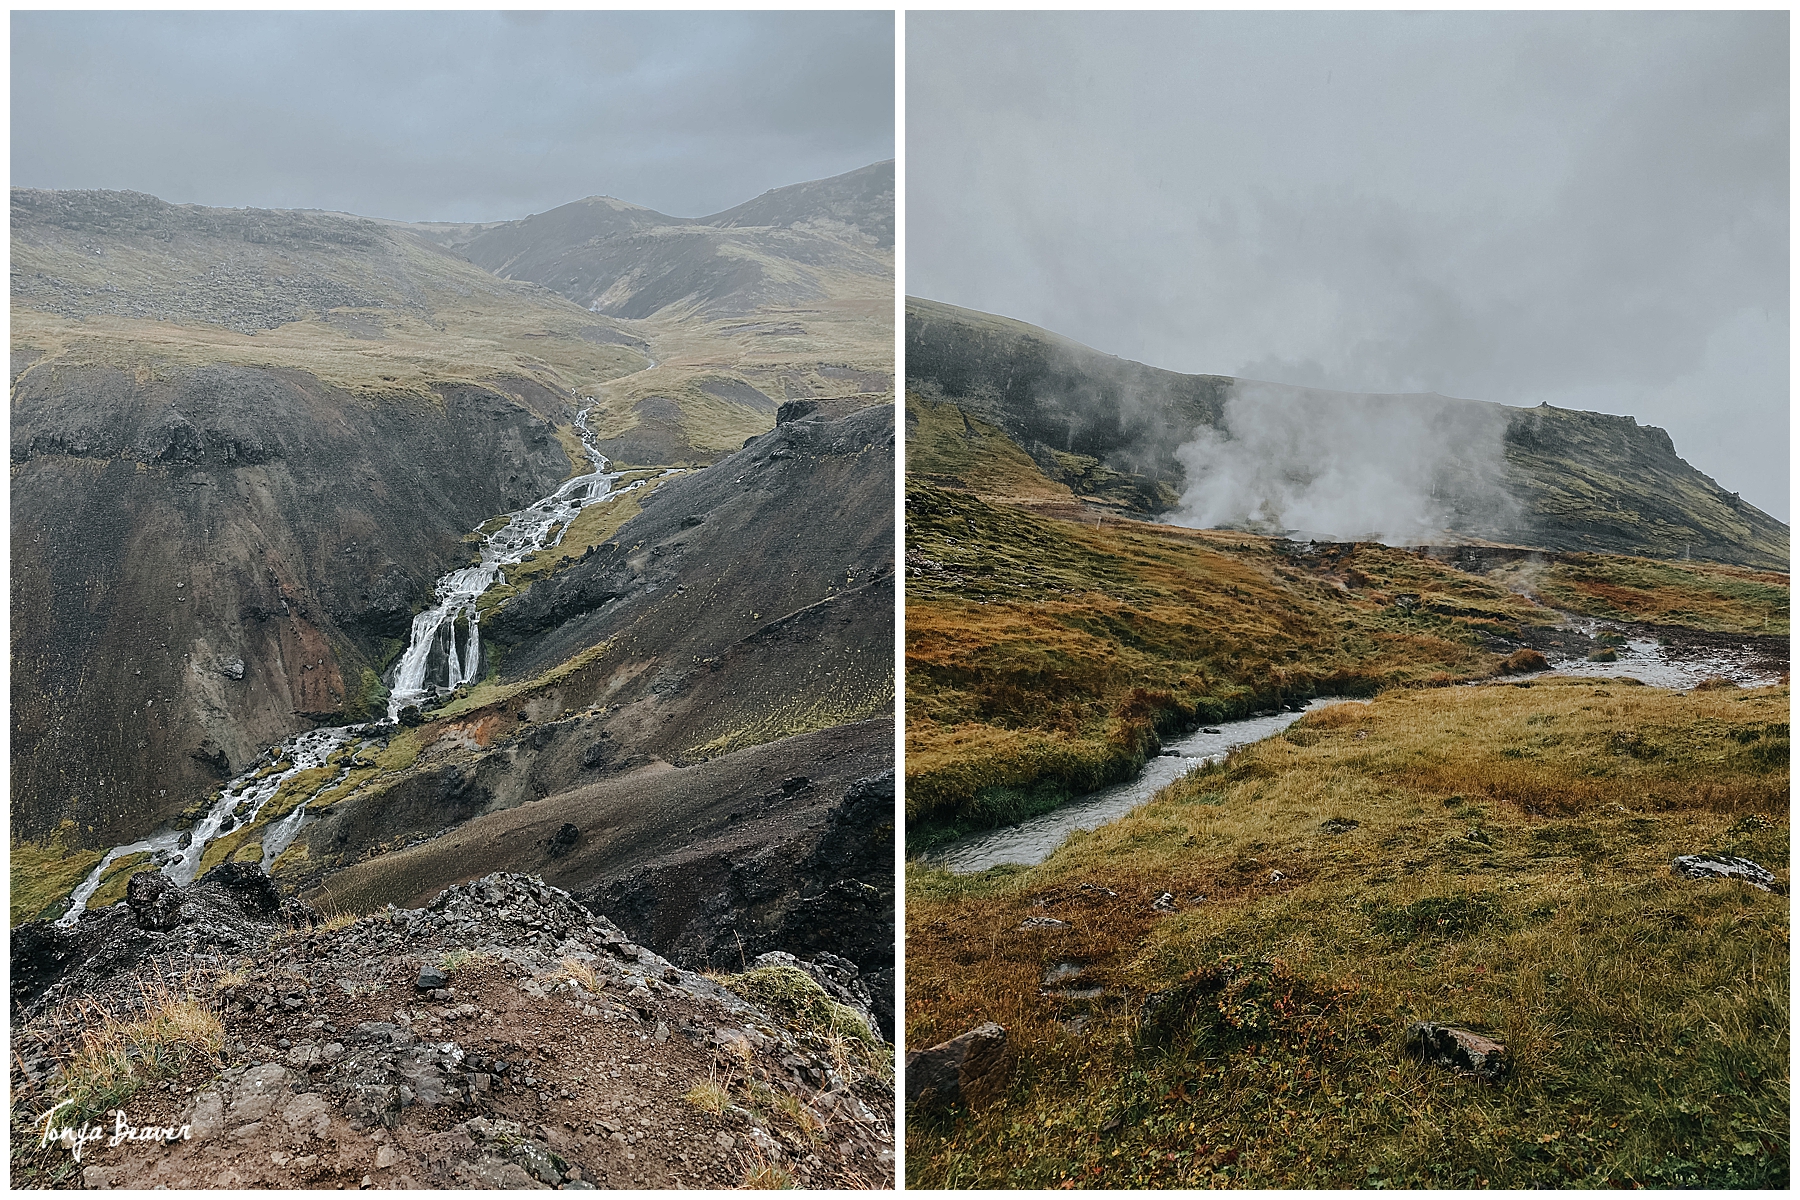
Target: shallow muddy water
x=1677, y=666
x=1032, y=841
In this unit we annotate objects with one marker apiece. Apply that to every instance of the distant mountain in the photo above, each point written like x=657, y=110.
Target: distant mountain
x=861, y=200
x=789, y=246
x=1114, y=431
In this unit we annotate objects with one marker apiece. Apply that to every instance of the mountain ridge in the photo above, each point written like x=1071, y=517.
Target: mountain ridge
x=1110, y=428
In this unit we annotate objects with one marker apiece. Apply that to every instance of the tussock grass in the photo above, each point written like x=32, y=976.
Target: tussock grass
x=453, y=960
x=1529, y=898
x=856, y=1049
x=945, y=444
x=797, y=996
x=763, y=1174
x=709, y=1097
x=582, y=973
x=114, y=1055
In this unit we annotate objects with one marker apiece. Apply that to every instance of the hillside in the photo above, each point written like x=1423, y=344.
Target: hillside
x=1114, y=432
x=244, y=444
x=1053, y=643
x=786, y=297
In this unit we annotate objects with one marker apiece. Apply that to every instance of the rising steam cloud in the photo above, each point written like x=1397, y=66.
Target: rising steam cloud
x=1341, y=467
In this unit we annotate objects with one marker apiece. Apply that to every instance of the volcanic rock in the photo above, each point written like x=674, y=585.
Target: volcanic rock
x=1458, y=1049
x=1723, y=866
x=154, y=900
x=968, y=1069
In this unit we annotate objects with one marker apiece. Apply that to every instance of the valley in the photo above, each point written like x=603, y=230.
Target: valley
x=335, y=549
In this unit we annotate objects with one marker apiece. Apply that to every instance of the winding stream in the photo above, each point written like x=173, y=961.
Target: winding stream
x=1030, y=842
x=1033, y=840
x=444, y=652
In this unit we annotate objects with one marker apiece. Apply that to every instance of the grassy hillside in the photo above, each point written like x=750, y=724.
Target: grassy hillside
x=1048, y=648
x=1493, y=857
x=1050, y=645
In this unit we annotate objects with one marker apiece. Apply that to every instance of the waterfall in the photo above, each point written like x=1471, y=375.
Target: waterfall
x=433, y=662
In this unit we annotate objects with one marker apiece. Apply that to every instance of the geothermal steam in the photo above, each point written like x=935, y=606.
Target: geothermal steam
x=1340, y=467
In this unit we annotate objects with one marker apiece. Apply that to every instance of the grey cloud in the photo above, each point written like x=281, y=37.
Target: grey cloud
x=449, y=116
x=1588, y=209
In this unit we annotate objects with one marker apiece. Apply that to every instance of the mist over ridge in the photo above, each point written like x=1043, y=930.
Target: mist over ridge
x=1212, y=450
x=1344, y=467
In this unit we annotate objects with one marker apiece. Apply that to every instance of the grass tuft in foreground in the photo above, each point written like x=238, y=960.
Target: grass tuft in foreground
x=111, y=1056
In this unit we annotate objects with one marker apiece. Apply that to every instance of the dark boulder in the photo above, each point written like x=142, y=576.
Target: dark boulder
x=249, y=885
x=154, y=900
x=1458, y=1049
x=564, y=839
x=968, y=1069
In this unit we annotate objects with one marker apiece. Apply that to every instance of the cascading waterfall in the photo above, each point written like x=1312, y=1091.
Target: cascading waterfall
x=437, y=659
x=240, y=802
x=445, y=650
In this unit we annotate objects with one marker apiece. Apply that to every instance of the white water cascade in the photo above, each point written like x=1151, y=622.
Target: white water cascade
x=239, y=803
x=445, y=650
x=438, y=659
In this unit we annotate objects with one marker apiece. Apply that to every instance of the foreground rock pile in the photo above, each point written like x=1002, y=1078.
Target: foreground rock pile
x=503, y=1036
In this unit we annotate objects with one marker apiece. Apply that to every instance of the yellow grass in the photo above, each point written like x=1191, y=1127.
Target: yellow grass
x=1500, y=861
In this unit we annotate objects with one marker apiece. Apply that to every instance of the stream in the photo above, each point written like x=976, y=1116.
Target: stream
x=1676, y=666
x=443, y=653
x=1033, y=840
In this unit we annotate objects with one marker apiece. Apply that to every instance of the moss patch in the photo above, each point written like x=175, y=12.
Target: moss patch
x=43, y=875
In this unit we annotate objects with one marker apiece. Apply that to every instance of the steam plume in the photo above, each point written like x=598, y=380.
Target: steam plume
x=1340, y=467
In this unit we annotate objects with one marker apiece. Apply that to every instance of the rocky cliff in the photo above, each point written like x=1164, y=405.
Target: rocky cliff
x=500, y=1035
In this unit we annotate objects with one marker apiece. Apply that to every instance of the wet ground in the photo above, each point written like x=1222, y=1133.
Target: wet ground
x=1679, y=658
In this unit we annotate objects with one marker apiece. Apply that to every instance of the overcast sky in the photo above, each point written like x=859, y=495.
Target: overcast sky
x=1585, y=209
x=449, y=116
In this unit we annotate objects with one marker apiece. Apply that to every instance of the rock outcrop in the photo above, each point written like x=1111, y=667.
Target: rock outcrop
x=501, y=1036
x=968, y=1069
x=1459, y=1050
